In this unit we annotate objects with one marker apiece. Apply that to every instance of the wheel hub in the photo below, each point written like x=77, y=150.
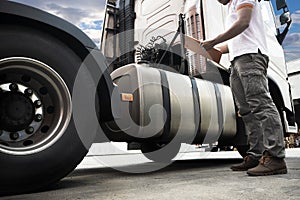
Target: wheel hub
x=16, y=111
x=21, y=112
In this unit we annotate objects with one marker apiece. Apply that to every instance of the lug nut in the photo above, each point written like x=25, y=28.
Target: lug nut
x=13, y=87
x=37, y=103
x=38, y=117
x=29, y=130
x=28, y=92
x=14, y=136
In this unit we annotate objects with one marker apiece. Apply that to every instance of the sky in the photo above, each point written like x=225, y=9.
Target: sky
x=88, y=15
x=292, y=42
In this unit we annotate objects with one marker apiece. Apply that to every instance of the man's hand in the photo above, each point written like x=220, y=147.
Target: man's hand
x=210, y=44
x=207, y=44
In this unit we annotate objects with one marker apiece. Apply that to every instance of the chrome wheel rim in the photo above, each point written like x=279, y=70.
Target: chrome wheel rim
x=35, y=106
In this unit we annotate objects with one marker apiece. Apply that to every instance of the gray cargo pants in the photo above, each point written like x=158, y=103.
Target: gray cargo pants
x=249, y=85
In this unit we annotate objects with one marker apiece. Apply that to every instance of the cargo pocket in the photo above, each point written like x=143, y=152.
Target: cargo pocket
x=254, y=82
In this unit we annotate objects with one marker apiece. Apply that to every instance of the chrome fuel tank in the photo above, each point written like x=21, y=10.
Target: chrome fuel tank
x=159, y=105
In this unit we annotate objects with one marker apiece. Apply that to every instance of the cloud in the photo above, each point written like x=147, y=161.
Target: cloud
x=73, y=15
x=86, y=5
x=291, y=53
x=94, y=34
x=292, y=39
x=88, y=18
x=296, y=17
x=92, y=25
x=291, y=46
x=87, y=15
x=76, y=14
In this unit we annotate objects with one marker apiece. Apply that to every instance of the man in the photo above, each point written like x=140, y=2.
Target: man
x=247, y=48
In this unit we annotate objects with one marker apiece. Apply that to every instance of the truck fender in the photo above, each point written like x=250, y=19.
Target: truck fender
x=79, y=42
x=13, y=11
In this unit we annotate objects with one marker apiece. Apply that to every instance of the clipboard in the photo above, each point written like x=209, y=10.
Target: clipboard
x=194, y=45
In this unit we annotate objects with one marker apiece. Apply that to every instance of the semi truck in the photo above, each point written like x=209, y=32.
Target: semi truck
x=150, y=84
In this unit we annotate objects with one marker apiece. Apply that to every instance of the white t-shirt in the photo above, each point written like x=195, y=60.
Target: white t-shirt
x=253, y=38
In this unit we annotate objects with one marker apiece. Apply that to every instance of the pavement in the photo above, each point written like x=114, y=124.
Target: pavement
x=194, y=175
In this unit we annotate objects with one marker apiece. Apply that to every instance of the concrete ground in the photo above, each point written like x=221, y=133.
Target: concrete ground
x=207, y=177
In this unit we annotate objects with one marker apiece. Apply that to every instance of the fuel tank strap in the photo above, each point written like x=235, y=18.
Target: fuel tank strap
x=220, y=109
x=197, y=109
x=166, y=103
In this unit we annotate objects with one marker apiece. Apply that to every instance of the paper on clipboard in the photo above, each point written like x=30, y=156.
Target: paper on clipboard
x=194, y=45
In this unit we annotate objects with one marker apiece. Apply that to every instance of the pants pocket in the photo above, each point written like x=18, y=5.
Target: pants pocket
x=254, y=82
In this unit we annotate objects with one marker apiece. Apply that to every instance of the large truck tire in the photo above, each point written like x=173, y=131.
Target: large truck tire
x=39, y=143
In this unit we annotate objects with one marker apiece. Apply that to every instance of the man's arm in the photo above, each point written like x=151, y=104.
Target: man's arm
x=241, y=24
x=222, y=48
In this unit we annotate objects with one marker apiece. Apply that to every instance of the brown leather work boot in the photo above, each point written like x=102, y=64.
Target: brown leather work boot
x=268, y=165
x=249, y=162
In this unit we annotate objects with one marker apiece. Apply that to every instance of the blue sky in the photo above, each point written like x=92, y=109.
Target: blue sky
x=292, y=43
x=88, y=15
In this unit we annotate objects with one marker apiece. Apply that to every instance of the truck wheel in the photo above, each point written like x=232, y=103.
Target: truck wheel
x=156, y=152
x=39, y=143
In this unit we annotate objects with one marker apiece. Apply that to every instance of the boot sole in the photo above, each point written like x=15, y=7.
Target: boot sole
x=279, y=171
x=242, y=169
x=238, y=170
